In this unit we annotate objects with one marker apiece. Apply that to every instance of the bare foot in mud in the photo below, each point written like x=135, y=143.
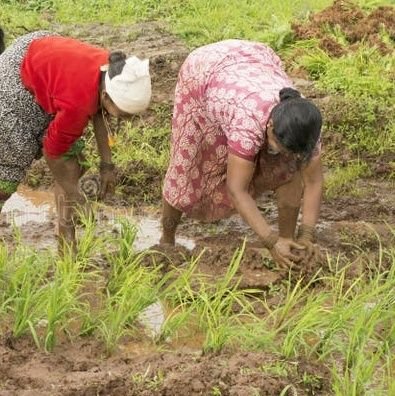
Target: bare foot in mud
x=166, y=243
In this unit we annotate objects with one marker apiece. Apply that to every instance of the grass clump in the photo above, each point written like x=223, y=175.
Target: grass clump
x=343, y=180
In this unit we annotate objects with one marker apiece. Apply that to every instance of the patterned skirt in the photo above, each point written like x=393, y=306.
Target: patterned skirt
x=22, y=121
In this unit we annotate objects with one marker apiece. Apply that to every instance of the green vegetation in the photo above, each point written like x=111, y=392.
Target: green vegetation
x=346, y=323
x=341, y=181
x=365, y=81
x=360, y=82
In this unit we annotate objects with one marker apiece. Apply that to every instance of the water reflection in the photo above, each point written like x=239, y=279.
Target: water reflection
x=27, y=205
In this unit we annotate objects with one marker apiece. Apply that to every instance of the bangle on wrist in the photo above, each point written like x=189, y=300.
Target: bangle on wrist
x=306, y=232
x=106, y=166
x=270, y=240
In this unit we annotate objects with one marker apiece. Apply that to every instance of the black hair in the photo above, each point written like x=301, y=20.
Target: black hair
x=2, y=43
x=296, y=123
x=116, y=62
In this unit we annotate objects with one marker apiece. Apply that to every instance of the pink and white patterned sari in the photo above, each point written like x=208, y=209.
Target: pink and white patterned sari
x=223, y=100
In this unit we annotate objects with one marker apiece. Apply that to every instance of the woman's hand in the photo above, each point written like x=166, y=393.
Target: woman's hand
x=283, y=255
x=107, y=179
x=107, y=168
x=306, y=239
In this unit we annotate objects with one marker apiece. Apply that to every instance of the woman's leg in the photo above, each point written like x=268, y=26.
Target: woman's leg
x=289, y=196
x=67, y=206
x=170, y=220
x=65, y=227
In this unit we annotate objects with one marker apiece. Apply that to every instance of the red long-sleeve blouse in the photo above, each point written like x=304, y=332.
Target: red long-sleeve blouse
x=63, y=74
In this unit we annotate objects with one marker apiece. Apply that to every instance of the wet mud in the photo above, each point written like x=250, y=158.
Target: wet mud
x=81, y=368
x=356, y=26
x=355, y=227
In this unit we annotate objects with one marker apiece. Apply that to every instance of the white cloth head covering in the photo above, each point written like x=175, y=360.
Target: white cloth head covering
x=131, y=90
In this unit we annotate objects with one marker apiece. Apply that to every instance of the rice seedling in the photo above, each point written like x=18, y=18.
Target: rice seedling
x=25, y=294
x=131, y=287
x=62, y=297
x=180, y=309
x=211, y=305
x=121, y=309
x=22, y=276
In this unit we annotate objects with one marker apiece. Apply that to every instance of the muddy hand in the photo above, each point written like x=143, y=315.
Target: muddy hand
x=306, y=239
x=282, y=252
x=312, y=252
x=107, y=179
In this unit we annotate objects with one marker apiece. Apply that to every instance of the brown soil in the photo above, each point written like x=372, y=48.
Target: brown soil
x=355, y=25
x=82, y=369
x=354, y=227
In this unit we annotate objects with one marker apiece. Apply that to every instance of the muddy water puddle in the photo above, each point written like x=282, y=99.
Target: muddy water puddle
x=28, y=209
x=27, y=205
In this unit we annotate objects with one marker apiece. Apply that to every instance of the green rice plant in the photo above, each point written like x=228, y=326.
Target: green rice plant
x=210, y=304
x=88, y=243
x=362, y=374
x=122, y=307
x=26, y=299
x=23, y=277
x=355, y=331
x=305, y=325
x=295, y=294
x=122, y=255
x=174, y=296
x=214, y=306
x=131, y=287
x=175, y=320
x=62, y=297
x=257, y=334
x=4, y=275
x=389, y=380
x=342, y=180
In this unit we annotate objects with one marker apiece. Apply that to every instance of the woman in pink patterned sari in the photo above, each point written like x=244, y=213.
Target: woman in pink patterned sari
x=239, y=129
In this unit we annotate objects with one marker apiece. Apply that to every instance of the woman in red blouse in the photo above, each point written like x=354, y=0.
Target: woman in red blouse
x=50, y=88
